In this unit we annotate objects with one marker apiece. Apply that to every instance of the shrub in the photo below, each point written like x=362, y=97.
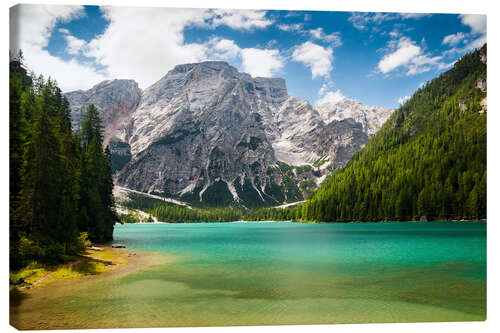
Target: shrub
x=81, y=243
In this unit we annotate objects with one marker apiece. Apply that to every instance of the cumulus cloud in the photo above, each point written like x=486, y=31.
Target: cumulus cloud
x=403, y=55
x=224, y=49
x=403, y=100
x=474, y=39
x=31, y=27
x=476, y=22
x=238, y=19
x=333, y=38
x=317, y=58
x=331, y=97
x=148, y=48
x=74, y=45
x=407, y=55
x=125, y=49
x=256, y=62
x=453, y=39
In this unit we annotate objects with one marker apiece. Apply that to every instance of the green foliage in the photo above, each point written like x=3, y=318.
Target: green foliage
x=247, y=193
x=60, y=182
x=142, y=202
x=290, y=189
x=120, y=155
x=303, y=168
x=429, y=159
x=81, y=243
x=320, y=162
x=29, y=250
x=307, y=186
x=252, y=144
x=274, y=191
x=285, y=168
x=178, y=214
x=217, y=195
x=182, y=214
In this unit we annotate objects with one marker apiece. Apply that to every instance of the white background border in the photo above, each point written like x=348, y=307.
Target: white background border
x=422, y=6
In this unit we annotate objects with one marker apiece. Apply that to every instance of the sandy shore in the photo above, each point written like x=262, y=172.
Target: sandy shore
x=107, y=262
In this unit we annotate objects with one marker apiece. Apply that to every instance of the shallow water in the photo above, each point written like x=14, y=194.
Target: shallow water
x=281, y=273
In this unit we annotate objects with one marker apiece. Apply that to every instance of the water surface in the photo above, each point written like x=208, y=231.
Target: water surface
x=283, y=273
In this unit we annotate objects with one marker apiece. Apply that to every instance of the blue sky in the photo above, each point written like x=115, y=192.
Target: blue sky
x=376, y=58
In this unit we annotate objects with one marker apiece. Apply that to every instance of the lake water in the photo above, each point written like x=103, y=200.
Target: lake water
x=287, y=273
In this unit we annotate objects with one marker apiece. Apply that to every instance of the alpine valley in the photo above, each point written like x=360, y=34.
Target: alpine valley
x=209, y=135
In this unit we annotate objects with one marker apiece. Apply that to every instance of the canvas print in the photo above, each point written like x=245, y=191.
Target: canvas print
x=219, y=167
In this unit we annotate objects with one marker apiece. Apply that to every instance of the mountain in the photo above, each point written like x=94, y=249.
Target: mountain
x=116, y=100
x=208, y=134
x=428, y=161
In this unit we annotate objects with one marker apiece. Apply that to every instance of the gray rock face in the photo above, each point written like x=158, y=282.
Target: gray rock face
x=206, y=133
x=115, y=100
x=371, y=118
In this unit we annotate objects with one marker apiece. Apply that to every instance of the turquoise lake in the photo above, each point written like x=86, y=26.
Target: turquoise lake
x=289, y=273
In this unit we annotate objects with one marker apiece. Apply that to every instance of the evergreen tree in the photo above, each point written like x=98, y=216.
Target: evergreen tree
x=428, y=159
x=60, y=183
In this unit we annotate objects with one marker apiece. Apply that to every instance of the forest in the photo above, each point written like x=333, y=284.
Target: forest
x=60, y=194
x=428, y=161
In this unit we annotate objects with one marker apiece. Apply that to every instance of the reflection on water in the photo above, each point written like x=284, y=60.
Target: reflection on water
x=280, y=273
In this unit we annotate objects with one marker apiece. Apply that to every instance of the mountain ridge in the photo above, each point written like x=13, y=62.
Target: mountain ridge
x=207, y=126
x=427, y=162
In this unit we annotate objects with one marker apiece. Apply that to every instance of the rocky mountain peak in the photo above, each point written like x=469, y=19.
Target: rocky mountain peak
x=207, y=133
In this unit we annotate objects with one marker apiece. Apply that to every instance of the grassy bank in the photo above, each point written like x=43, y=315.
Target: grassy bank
x=94, y=261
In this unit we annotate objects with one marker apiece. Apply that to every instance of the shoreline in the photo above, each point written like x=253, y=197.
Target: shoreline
x=123, y=262
x=311, y=222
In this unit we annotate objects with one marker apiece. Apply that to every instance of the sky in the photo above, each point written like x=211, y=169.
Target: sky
x=376, y=58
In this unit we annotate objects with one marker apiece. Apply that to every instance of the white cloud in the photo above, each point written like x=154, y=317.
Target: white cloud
x=406, y=51
x=394, y=33
x=403, y=100
x=325, y=87
x=406, y=54
x=144, y=43
x=224, y=48
x=413, y=15
x=333, y=38
x=138, y=43
x=240, y=19
x=477, y=23
x=453, y=39
x=127, y=49
x=316, y=57
x=31, y=27
x=74, y=45
x=362, y=21
x=32, y=24
x=475, y=39
x=290, y=27
x=331, y=97
x=476, y=43
x=258, y=62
